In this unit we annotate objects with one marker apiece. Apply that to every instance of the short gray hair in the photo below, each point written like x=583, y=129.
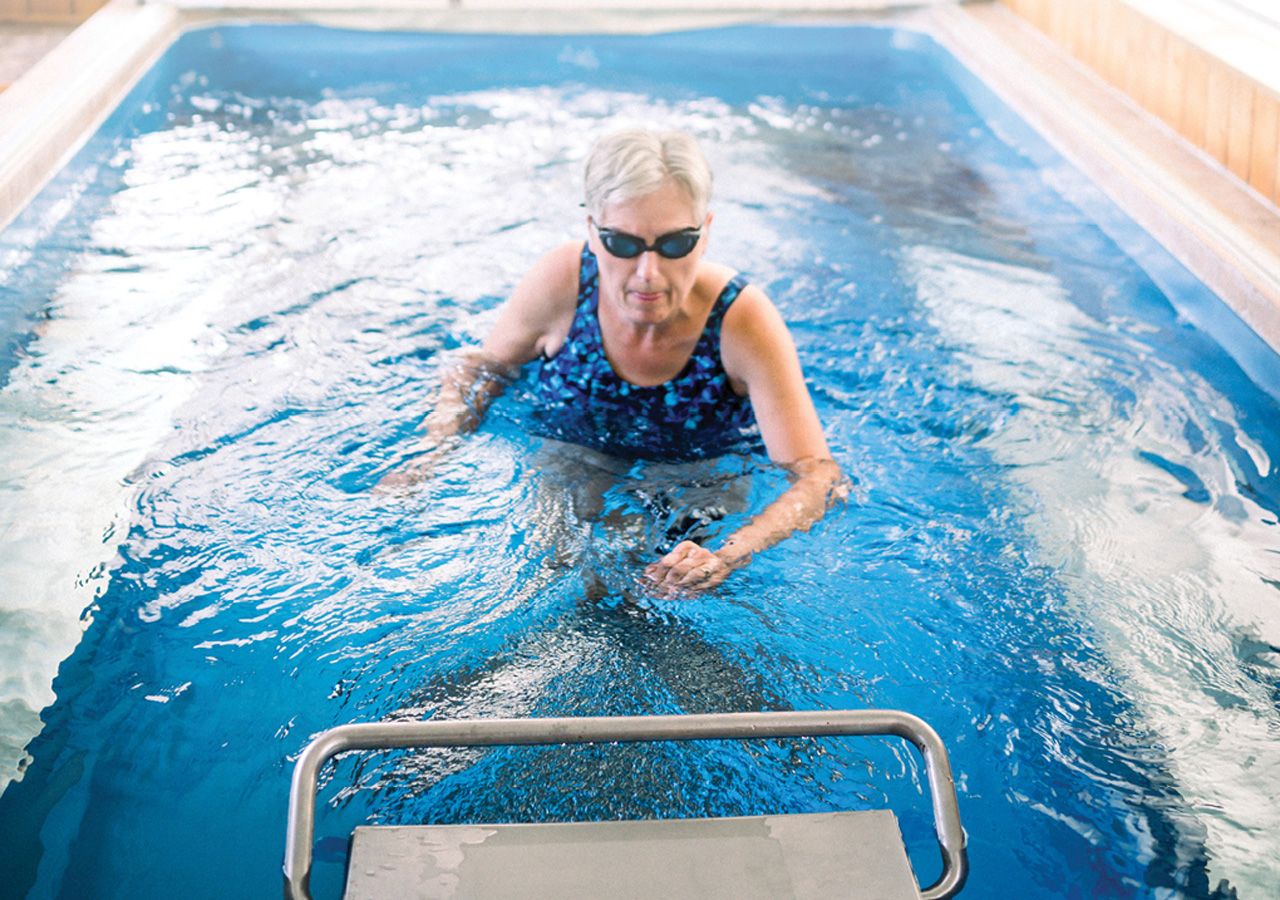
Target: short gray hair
x=629, y=164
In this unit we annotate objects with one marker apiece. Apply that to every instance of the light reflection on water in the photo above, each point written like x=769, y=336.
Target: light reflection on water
x=1061, y=550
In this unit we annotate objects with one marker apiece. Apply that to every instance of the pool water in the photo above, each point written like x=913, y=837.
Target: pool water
x=224, y=320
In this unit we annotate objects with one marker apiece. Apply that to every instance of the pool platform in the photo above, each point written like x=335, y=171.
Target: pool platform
x=859, y=855
x=856, y=855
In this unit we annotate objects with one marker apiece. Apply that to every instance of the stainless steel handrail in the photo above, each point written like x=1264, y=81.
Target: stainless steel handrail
x=606, y=729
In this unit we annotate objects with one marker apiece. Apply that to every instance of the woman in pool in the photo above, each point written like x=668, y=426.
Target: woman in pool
x=648, y=350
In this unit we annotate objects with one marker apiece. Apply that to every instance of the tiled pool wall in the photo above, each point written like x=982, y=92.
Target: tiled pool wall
x=1207, y=78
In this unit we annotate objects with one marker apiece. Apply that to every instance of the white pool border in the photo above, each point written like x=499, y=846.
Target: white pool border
x=48, y=114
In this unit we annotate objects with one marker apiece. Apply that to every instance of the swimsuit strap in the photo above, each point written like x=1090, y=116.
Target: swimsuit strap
x=588, y=278
x=724, y=300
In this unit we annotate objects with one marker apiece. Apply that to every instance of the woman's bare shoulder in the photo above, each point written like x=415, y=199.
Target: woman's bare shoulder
x=752, y=308
x=537, y=315
x=556, y=272
x=753, y=330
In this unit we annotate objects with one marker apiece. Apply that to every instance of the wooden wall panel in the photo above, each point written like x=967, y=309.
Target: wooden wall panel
x=1110, y=53
x=1155, y=49
x=1135, y=39
x=48, y=8
x=1240, y=91
x=1195, y=103
x=1096, y=50
x=1233, y=118
x=1264, y=155
x=1122, y=22
x=1217, y=118
x=36, y=11
x=1059, y=17
x=1173, y=81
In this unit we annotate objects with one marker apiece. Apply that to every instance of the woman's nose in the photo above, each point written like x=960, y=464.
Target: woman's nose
x=647, y=264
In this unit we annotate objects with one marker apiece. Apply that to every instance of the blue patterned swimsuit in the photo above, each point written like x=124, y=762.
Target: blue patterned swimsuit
x=578, y=397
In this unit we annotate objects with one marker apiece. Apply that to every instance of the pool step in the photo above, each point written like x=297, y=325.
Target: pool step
x=853, y=855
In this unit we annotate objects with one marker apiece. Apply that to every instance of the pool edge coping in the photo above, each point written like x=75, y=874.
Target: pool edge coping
x=49, y=113
x=1221, y=230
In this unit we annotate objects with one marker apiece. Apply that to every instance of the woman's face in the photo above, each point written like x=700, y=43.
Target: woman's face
x=649, y=289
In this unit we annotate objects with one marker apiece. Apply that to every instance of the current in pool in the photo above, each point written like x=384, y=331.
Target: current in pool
x=231, y=310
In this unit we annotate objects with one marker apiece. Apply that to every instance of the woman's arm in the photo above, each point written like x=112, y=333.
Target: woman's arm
x=527, y=322
x=760, y=357
x=473, y=380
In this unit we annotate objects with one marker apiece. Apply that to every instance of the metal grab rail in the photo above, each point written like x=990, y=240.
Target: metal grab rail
x=614, y=729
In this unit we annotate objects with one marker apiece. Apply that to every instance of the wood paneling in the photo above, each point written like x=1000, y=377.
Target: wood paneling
x=1240, y=93
x=1264, y=155
x=1098, y=25
x=1108, y=58
x=1154, y=44
x=35, y=11
x=1217, y=118
x=1130, y=26
x=1195, y=102
x=1230, y=116
x=1173, y=88
x=49, y=8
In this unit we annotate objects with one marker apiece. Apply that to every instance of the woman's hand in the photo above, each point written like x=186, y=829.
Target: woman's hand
x=469, y=386
x=688, y=569
x=418, y=468
x=818, y=484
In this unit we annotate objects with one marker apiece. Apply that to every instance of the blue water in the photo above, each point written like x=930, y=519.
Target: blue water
x=1060, y=550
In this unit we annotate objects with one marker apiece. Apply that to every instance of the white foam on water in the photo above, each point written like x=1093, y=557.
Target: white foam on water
x=1169, y=583
x=124, y=341
x=78, y=415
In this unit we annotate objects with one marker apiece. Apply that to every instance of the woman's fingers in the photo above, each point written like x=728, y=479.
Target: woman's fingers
x=405, y=477
x=680, y=559
x=688, y=566
x=707, y=574
x=418, y=468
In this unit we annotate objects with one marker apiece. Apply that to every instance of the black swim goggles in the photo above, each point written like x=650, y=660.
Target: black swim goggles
x=672, y=245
